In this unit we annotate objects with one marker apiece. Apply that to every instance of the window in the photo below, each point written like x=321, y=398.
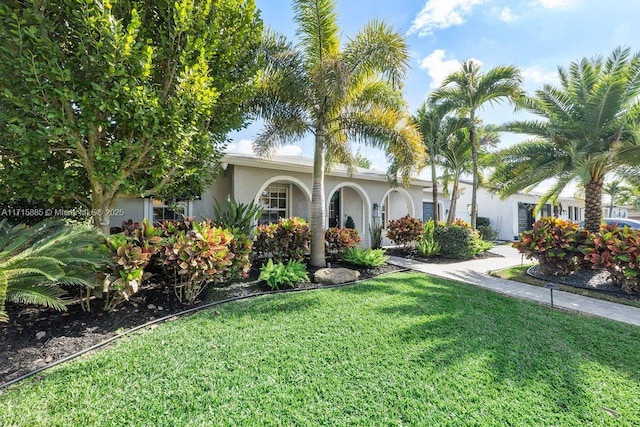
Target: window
x=275, y=202
x=169, y=212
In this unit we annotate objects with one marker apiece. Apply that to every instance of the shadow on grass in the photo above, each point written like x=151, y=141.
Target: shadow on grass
x=522, y=343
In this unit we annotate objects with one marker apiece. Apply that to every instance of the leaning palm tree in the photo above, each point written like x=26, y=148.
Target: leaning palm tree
x=339, y=95
x=588, y=130
x=469, y=90
x=436, y=126
x=35, y=261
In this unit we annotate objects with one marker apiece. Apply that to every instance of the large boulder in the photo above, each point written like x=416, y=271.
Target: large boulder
x=335, y=276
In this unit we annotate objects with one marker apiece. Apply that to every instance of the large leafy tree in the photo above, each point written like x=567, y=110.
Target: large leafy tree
x=100, y=99
x=437, y=127
x=340, y=95
x=587, y=129
x=468, y=90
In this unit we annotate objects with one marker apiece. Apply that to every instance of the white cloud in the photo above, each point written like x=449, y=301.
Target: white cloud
x=439, y=68
x=557, y=4
x=507, y=16
x=289, y=150
x=438, y=14
x=538, y=75
x=244, y=146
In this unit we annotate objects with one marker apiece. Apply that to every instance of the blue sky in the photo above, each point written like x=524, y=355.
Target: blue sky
x=535, y=35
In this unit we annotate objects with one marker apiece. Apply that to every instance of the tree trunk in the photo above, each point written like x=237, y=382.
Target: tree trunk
x=101, y=207
x=593, y=205
x=317, y=203
x=454, y=201
x=474, y=157
x=434, y=192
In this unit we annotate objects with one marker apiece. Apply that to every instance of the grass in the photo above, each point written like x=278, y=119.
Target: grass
x=404, y=349
x=519, y=274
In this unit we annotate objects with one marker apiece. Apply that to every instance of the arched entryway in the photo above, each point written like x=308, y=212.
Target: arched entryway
x=346, y=200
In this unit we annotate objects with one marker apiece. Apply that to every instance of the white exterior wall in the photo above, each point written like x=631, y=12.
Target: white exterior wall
x=131, y=208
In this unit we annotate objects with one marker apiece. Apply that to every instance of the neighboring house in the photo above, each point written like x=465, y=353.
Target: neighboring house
x=282, y=185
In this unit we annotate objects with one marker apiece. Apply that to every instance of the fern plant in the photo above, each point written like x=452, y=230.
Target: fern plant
x=280, y=275
x=35, y=261
x=365, y=257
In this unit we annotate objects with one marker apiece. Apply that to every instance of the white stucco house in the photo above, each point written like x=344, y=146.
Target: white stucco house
x=282, y=185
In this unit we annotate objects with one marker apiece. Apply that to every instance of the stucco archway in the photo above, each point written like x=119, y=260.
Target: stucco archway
x=359, y=208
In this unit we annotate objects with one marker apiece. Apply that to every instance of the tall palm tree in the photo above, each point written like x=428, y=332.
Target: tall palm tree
x=469, y=90
x=339, y=95
x=617, y=192
x=436, y=126
x=456, y=158
x=588, y=129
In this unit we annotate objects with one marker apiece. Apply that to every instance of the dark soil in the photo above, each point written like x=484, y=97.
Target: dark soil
x=36, y=337
x=595, y=280
x=415, y=255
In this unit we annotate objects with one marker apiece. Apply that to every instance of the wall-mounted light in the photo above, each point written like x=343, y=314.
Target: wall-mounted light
x=376, y=210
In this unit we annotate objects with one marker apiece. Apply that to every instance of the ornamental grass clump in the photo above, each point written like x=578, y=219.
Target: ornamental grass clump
x=427, y=245
x=405, y=232
x=556, y=244
x=616, y=250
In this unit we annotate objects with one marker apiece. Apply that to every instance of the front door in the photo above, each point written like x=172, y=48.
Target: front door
x=334, y=210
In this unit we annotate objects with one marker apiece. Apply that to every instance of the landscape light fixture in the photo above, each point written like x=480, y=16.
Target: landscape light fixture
x=551, y=286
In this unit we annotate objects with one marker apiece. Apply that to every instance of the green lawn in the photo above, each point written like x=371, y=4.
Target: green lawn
x=404, y=349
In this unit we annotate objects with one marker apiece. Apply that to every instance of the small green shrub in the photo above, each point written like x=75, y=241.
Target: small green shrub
x=338, y=240
x=616, y=250
x=279, y=275
x=288, y=239
x=365, y=257
x=455, y=241
x=131, y=250
x=480, y=245
x=237, y=216
x=427, y=246
x=375, y=231
x=405, y=232
x=483, y=221
x=556, y=243
x=350, y=223
x=487, y=233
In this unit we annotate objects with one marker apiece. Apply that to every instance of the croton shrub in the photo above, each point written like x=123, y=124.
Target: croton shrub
x=288, y=239
x=616, y=250
x=406, y=231
x=338, y=240
x=131, y=251
x=200, y=255
x=556, y=244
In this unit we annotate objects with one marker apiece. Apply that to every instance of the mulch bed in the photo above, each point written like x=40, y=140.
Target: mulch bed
x=36, y=337
x=594, y=280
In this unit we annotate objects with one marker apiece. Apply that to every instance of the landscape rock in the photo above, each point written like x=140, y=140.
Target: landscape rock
x=335, y=276
x=40, y=335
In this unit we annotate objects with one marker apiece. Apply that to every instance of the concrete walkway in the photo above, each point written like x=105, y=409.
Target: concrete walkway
x=475, y=272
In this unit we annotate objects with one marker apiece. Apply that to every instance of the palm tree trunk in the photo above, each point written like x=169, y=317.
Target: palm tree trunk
x=317, y=203
x=593, y=205
x=434, y=192
x=454, y=201
x=474, y=157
